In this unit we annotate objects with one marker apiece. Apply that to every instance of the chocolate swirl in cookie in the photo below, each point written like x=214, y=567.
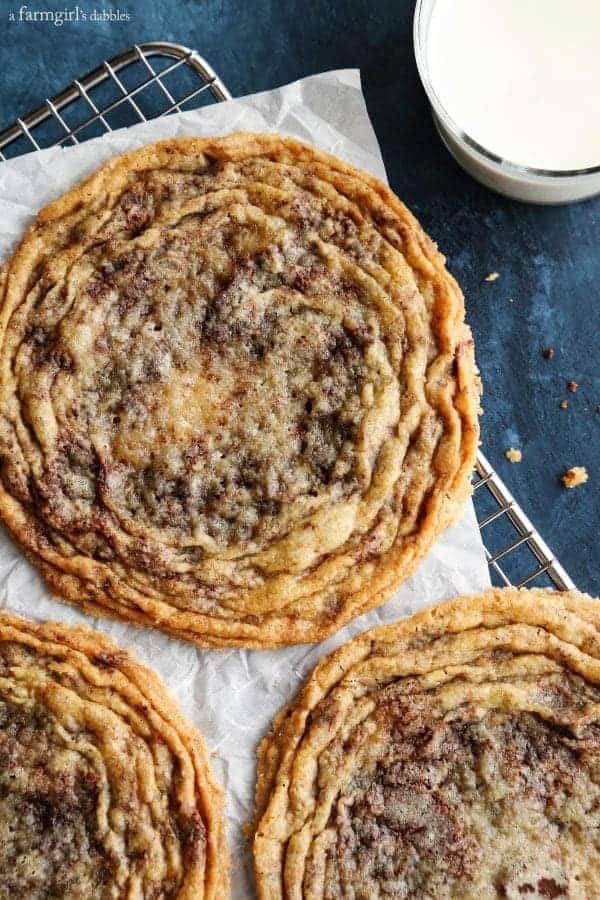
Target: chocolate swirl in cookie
x=453, y=755
x=238, y=397
x=105, y=791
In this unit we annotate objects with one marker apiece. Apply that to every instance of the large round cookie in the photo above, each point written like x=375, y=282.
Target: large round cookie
x=238, y=399
x=105, y=790
x=455, y=754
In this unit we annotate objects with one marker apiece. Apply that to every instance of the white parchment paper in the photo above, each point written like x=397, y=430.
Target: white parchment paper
x=231, y=696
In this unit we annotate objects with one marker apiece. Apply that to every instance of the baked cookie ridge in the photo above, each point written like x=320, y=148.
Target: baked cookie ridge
x=238, y=397
x=453, y=754
x=106, y=790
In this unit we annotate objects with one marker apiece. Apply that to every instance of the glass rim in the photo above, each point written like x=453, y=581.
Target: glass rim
x=420, y=52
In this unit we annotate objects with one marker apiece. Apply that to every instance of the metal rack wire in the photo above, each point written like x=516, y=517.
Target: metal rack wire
x=155, y=79
x=144, y=82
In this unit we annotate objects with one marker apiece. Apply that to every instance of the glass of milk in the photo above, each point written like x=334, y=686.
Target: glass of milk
x=515, y=90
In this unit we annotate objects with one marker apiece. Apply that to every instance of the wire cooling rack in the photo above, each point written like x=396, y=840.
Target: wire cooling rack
x=155, y=79
x=144, y=82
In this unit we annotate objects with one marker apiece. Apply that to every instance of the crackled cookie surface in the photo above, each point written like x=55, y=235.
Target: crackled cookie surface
x=105, y=790
x=453, y=755
x=238, y=399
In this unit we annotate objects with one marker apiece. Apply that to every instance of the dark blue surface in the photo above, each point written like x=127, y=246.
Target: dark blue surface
x=548, y=293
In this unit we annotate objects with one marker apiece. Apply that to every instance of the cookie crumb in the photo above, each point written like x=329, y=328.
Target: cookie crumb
x=493, y=276
x=574, y=477
x=572, y=386
x=548, y=352
x=513, y=455
x=564, y=404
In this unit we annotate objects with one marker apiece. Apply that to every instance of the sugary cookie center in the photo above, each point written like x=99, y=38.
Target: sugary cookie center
x=223, y=397
x=49, y=840
x=447, y=806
